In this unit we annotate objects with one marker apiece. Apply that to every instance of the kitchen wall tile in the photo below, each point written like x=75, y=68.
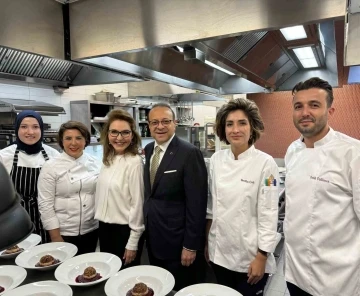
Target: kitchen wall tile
x=14, y=96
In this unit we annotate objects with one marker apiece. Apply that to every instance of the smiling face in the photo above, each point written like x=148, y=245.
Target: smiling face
x=118, y=141
x=73, y=142
x=311, y=113
x=161, y=124
x=238, y=130
x=29, y=131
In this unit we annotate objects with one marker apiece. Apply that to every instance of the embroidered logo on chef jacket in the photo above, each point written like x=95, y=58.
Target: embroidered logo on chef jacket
x=271, y=181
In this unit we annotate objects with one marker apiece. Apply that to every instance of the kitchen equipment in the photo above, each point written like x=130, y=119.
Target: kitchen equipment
x=105, y=96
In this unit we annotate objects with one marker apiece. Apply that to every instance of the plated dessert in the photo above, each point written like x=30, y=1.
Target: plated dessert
x=140, y=289
x=89, y=275
x=46, y=261
x=13, y=250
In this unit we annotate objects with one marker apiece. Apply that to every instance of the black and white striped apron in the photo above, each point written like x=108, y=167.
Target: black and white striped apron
x=25, y=182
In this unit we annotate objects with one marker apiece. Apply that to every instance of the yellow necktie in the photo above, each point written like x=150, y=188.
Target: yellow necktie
x=154, y=164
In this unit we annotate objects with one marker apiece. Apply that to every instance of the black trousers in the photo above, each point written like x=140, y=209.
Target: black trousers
x=238, y=281
x=295, y=290
x=113, y=240
x=85, y=243
x=184, y=275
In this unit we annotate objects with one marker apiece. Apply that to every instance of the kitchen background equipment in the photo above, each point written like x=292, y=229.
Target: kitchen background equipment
x=105, y=96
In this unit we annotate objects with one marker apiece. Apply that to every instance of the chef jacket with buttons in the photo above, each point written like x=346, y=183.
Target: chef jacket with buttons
x=322, y=226
x=66, y=190
x=243, y=206
x=25, y=160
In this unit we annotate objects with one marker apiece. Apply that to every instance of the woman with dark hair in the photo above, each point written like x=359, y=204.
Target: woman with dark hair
x=66, y=188
x=24, y=159
x=120, y=190
x=243, y=202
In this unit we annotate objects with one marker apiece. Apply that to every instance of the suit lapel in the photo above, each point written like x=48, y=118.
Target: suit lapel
x=148, y=154
x=166, y=160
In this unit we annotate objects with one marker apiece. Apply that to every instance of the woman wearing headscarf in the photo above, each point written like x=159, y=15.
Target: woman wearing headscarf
x=24, y=159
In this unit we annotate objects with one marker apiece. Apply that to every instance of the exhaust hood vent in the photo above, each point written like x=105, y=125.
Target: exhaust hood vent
x=241, y=45
x=16, y=106
x=26, y=64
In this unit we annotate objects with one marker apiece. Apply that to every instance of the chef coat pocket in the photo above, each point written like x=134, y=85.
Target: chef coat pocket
x=271, y=196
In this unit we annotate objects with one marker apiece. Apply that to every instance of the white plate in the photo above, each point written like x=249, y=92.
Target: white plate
x=46, y=288
x=158, y=279
x=207, y=290
x=31, y=241
x=11, y=276
x=61, y=251
x=106, y=264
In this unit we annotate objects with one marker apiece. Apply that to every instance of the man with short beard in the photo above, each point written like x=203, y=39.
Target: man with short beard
x=322, y=226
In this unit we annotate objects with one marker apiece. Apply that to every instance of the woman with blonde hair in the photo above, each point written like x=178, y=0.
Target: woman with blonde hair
x=120, y=190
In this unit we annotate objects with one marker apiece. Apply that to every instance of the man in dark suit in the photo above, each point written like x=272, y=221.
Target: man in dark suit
x=175, y=181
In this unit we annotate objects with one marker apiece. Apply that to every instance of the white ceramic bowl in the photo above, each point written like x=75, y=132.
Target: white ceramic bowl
x=52, y=288
x=207, y=290
x=11, y=276
x=106, y=264
x=31, y=241
x=158, y=279
x=61, y=251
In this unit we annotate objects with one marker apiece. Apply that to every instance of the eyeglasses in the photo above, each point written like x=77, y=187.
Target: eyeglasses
x=115, y=133
x=164, y=122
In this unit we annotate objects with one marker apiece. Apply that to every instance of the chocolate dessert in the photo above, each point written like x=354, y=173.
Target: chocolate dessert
x=89, y=275
x=46, y=261
x=2, y=289
x=13, y=250
x=140, y=289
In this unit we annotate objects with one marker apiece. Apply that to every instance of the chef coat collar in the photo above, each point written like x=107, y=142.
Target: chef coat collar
x=245, y=154
x=81, y=160
x=329, y=136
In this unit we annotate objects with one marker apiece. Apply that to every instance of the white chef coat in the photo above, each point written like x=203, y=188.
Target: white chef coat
x=244, y=211
x=120, y=195
x=66, y=189
x=25, y=160
x=322, y=227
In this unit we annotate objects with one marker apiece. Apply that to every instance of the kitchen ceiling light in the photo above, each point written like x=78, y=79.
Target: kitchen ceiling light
x=306, y=57
x=294, y=33
x=219, y=68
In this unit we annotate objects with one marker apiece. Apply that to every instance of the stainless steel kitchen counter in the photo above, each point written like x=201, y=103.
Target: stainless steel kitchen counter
x=37, y=276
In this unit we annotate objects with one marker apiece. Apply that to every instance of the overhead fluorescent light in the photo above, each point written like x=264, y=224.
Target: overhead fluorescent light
x=219, y=68
x=306, y=57
x=181, y=49
x=294, y=33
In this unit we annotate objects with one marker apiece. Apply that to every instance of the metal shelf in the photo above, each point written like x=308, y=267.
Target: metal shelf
x=98, y=121
x=143, y=121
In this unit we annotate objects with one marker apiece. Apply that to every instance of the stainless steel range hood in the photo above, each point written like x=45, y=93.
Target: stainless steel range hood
x=15, y=106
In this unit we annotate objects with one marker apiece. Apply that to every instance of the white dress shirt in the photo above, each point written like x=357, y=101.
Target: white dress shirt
x=322, y=221
x=243, y=208
x=66, y=189
x=25, y=160
x=120, y=195
x=163, y=148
